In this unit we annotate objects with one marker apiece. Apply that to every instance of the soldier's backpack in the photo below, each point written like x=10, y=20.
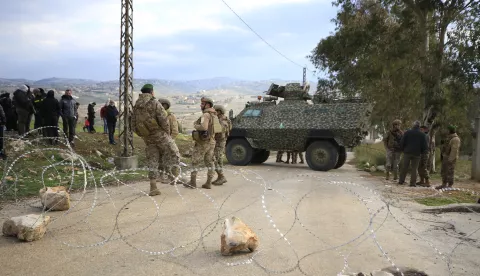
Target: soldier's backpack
x=148, y=123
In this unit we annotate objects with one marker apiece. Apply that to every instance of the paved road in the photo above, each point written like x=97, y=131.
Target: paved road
x=326, y=217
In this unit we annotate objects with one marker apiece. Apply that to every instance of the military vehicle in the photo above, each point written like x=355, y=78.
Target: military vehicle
x=323, y=130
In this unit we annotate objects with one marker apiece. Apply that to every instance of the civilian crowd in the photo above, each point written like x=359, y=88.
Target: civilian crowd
x=16, y=114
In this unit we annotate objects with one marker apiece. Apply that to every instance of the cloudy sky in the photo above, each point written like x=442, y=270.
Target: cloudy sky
x=173, y=39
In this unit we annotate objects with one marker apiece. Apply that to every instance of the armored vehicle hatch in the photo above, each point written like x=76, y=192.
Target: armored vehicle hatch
x=323, y=130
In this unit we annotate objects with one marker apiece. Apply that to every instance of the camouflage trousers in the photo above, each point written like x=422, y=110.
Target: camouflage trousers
x=393, y=159
x=448, y=171
x=203, y=152
x=423, y=170
x=162, y=155
x=218, y=153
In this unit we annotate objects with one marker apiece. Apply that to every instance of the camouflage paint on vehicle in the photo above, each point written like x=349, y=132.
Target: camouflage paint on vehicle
x=294, y=124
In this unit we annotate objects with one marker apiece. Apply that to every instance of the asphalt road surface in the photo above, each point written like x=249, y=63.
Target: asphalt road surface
x=309, y=223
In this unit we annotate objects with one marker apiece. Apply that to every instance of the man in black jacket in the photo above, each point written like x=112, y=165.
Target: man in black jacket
x=23, y=106
x=413, y=144
x=50, y=111
x=8, y=108
x=37, y=104
x=111, y=116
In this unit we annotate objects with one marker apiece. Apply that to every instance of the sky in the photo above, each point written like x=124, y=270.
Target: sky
x=172, y=39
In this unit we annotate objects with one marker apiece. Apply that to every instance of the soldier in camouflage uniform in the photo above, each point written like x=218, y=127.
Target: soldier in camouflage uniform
x=391, y=142
x=149, y=121
x=449, y=153
x=423, y=171
x=220, y=142
x=173, y=132
x=204, y=144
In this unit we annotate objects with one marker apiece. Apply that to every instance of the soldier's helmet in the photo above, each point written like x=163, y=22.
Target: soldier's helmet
x=219, y=108
x=396, y=122
x=207, y=100
x=164, y=101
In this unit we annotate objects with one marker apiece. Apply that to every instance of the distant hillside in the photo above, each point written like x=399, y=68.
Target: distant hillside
x=221, y=85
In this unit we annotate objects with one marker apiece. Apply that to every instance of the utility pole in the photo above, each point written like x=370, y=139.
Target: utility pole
x=126, y=159
x=304, y=76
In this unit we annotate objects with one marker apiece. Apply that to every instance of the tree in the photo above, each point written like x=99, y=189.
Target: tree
x=413, y=58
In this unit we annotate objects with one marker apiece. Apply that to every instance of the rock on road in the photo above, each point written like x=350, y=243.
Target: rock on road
x=308, y=223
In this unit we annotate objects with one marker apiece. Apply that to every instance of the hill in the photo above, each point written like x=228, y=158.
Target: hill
x=170, y=87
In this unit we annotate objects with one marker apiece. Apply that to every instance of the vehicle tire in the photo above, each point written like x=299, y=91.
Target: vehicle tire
x=260, y=156
x=239, y=152
x=342, y=157
x=321, y=156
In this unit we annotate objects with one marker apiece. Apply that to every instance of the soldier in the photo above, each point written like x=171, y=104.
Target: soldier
x=300, y=154
x=279, y=156
x=449, y=153
x=149, y=121
x=173, y=132
x=391, y=142
x=220, y=142
x=423, y=166
x=204, y=138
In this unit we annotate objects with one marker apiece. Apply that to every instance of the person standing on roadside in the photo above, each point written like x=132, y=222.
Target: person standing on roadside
x=413, y=145
x=391, y=142
x=68, y=111
x=111, y=115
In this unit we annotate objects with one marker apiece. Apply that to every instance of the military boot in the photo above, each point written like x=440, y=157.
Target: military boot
x=192, y=184
x=175, y=172
x=427, y=182
x=220, y=180
x=153, y=188
x=208, y=184
x=300, y=155
x=395, y=175
x=421, y=182
x=387, y=177
x=218, y=176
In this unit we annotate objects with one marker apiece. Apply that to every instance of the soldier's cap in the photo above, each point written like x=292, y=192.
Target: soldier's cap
x=219, y=107
x=164, y=101
x=207, y=100
x=452, y=128
x=397, y=122
x=147, y=86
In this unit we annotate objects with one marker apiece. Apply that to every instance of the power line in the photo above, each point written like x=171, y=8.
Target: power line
x=266, y=42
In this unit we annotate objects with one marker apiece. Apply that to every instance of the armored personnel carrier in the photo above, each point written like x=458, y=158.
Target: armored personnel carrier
x=323, y=130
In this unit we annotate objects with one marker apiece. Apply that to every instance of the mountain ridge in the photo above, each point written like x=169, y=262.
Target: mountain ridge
x=232, y=85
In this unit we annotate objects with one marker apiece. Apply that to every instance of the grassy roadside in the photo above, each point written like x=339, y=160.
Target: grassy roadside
x=94, y=148
x=373, y=155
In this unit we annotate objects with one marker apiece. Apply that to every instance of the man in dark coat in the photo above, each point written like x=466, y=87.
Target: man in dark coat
x=37, y=104
x=68, y=111
x=8, y=108
x=413, y=145
x=23, y=106
x=50, y=112
x=111, y=116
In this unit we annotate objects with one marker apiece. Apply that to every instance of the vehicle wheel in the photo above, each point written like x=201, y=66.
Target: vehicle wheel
x=342, y=157
x=239, y=152
x=321, y=156
x=260, y=156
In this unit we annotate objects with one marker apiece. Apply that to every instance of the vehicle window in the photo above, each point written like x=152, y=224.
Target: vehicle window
x=252, y=113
